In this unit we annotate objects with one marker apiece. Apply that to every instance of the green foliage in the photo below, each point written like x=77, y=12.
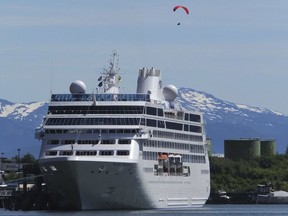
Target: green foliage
x=12, y=176
x=28, y=158
x=244, y=176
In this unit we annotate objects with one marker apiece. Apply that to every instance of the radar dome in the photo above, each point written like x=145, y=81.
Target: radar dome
x=77, y=87
x=170, y=92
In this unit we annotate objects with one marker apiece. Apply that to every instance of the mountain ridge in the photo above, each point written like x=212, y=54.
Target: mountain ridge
x=227, y=120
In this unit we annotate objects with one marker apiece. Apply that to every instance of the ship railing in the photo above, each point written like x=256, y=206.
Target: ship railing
x=100, y=97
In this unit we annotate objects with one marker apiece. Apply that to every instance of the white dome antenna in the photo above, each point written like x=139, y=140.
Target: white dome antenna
x=77, y=87
x=170, y=93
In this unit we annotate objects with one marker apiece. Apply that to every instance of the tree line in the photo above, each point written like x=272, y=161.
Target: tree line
x=244, y=175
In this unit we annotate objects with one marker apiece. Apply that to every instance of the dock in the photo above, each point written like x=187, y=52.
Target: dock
x=27, y=193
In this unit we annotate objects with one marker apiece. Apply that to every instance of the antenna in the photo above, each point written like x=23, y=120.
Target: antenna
x=51, y=83
x=52, y=67
x=109, y=77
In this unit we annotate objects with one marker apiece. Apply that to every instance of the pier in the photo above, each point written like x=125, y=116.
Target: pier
x=27, y=193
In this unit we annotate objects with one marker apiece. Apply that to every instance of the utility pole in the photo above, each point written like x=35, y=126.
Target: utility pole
x=18, y=159
x=2, y=160
x=1, y=171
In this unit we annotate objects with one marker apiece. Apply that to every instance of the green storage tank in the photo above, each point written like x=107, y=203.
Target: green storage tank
x=241, y=149
x=268, y=147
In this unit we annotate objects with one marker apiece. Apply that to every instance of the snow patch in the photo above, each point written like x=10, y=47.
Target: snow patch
x=20, y=111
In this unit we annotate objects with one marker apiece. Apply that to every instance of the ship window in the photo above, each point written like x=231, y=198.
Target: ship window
x=195, y=118
x=151, y=122
x=53, y=142
x=106, y=152
x=49, y=121
x=161, y=124
x=93, y=121
x=186, y=127
x=160, y=112
x=104, y=131
x=107, y=141
x=123, y=152
x=151, y=111
x=93, y=142
x=51, y=153
x=173, y=125
x=195, y=129
x=124, y=141
x=96, y=109
x=66, y=153
x=68, y=141
x=65, y=131
x=86, y=153
x=120, y=131
x=186, y=117
x=196, y=148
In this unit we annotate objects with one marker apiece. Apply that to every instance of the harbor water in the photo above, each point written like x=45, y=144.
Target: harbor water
x=207, y=210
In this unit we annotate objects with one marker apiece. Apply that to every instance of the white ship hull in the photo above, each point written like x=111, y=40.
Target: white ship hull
x=116, y=185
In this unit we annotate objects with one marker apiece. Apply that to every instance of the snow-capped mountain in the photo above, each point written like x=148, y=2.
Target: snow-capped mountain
x=19, y=111
x=224, y=120
x=17, y=124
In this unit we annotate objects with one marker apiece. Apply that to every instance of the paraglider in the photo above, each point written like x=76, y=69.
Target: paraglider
x=181, y=7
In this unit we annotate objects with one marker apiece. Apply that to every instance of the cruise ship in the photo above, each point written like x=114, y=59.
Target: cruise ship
x=109, y=150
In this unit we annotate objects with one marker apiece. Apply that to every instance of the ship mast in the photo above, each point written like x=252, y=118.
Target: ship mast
x=110, y=78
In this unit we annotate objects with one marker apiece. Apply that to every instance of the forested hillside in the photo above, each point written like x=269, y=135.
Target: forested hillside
x=244, y=176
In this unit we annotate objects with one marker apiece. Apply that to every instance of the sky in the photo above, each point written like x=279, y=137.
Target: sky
x=234, y=50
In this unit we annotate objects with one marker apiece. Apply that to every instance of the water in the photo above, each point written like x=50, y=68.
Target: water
x=207, y=210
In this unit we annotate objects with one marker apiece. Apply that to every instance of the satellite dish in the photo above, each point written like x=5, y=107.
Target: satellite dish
x=170, y=93
x=77, y=87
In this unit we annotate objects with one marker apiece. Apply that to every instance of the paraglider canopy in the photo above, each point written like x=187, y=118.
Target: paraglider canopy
x=183, y=7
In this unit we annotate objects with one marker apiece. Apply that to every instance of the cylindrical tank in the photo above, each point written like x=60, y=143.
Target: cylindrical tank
x=241, y=149
x=268, y=147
